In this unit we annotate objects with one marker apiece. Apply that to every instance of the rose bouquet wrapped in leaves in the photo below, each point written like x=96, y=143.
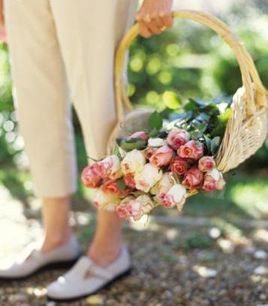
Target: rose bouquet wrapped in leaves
x=162, y=164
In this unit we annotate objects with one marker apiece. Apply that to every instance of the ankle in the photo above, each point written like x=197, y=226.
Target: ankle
x=103, y=254
x=53, y=241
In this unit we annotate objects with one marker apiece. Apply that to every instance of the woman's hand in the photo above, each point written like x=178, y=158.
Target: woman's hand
x=154, y=17
x=2, y=23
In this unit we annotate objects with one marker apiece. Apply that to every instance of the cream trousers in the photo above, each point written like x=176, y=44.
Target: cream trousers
x=62, y=51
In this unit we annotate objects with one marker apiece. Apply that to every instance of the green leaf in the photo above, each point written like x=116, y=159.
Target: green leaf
x=133, y=143
x=121, y=184
x=196, y=135
x=116, y=151
x=203, y=117
x=155, y=121
x=153, y=133
x=225, y=116
x=199, y=102
x=181, y=116
x=208, y=143
x=215, y=143
x=165, y=113
x=191, y=105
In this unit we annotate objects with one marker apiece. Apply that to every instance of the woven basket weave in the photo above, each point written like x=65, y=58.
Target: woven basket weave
x=247, y=128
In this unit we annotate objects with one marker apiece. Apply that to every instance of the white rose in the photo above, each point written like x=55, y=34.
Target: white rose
x=174, y=197
x=146, y=203
x=112, y=166
x=133, y=162
x=215, y=173
x=156, y=142
x=165, y=183
x=147, y=178
x=178, y=192
x=105, y=200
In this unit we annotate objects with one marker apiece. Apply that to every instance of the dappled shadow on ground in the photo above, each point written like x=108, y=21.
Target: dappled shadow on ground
x=174, y=264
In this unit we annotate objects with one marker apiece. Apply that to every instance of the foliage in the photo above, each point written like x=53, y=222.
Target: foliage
x=187, y=61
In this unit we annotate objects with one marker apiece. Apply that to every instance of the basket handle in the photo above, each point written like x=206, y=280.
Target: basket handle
x=246, y=64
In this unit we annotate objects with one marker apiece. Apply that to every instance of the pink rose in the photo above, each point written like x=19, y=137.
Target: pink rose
x=209, y=183
x=140, y=134
x=206, y=163
x=193, y=178
x=110, y=167
x=177, y=138
x=92, y=176
x=135, y=208
x=129, y=180
x=175, y=196
x=161, y=156
x=192, y=149
x=217, y=176
x=149, y=151
x=112, y=187
x=144, y=205
x=179, y=166
x=128, y=207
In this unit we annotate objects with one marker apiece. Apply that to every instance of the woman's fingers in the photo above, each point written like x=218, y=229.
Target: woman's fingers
x=167, y=20
x=154, y=17
x=154, y=25
x=144, y=30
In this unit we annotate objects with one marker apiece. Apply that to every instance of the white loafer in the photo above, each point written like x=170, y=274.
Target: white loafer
x=28, y=264
x=86, y=278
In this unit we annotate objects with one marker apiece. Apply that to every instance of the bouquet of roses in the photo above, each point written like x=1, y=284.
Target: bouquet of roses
x=172, y=158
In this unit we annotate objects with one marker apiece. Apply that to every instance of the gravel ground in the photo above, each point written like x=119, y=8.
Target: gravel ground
x=173, y=265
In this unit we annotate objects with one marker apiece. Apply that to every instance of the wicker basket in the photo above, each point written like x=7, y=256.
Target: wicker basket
x=247, y=128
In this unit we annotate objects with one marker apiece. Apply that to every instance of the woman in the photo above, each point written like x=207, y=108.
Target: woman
x=52, y=41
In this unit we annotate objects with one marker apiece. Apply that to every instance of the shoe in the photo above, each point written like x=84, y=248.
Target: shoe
x=35, y=261
x=86, y=278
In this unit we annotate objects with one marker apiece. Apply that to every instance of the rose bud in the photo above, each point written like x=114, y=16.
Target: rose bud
x=175, y=196
x=220, y=184
x=161, y=156
x=218, y=177
x=156, y=142
x=164, y=184
x=177, y=138
x=129, y=180
x=128, y=207
x=206, y=163
x=110, y=167
x=192, y=149
x=140, y=134
x=143, y=205
x=149, y=151
x=112, y=187
x=209, y=183
x=147, y=178
x=193, y=178
x=133, y=162
x=92, y=175
x=179, y=166
x=106, y=200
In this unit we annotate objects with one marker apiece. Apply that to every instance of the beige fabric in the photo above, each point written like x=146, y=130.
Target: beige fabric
x=46, y=39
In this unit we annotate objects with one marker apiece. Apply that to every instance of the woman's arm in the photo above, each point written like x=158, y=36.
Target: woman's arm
x=154, y=16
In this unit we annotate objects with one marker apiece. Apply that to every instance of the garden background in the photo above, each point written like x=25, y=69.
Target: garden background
x=217, y=252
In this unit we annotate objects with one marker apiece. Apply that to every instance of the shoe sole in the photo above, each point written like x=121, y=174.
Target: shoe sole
x=106, y=286
x=52, y=266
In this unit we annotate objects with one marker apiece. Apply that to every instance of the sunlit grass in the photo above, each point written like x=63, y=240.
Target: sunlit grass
x=252, y=197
